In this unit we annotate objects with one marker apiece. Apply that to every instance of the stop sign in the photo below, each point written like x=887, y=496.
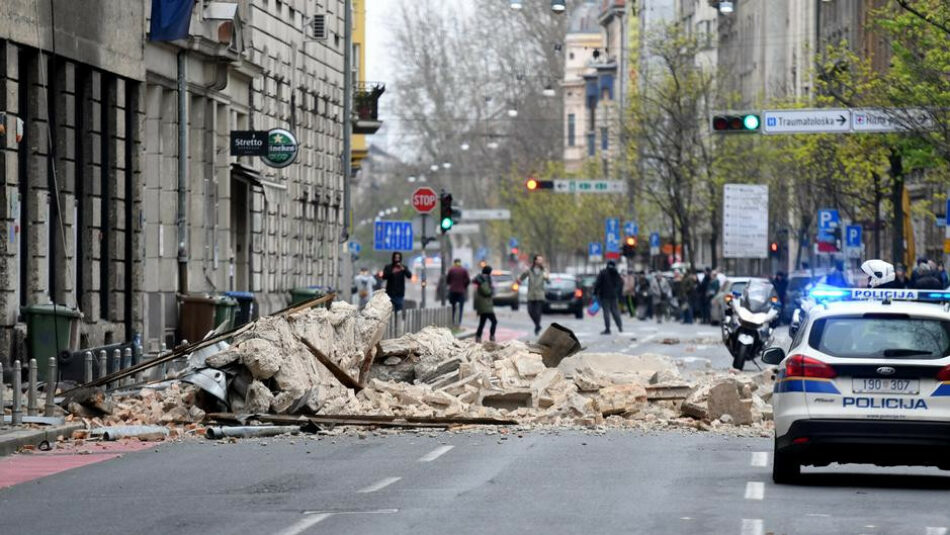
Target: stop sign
x=424, y=199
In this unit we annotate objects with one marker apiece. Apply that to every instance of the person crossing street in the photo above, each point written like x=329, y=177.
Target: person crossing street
x=537, y=276
x=458, y=281
x=484, y=306
x=609, y=289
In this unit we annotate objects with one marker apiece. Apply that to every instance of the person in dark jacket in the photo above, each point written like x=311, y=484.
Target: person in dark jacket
x=395, y=275
x=609, y=289
x=484, y=306
x=458, y=281
x=927, y=278
x=900, y=277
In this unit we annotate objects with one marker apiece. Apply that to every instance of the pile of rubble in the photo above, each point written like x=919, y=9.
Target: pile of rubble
x=333, y=362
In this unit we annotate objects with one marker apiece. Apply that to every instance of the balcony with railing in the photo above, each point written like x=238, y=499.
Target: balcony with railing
x=366, y=107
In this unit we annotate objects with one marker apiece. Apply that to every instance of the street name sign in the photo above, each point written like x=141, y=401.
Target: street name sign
x=812, y=121
x=745, y=221
x=392, y=236
x=873, y=120
x=466, y=228
x=595, y=252
x=424, y=200
x=571, y=185
x=501, y=214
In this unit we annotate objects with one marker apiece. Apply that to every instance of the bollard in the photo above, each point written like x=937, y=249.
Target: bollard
x=31, y=389
x=52, y=378
x=17, y=415
x=127, y=363
x=87, y=370
x=116, y=365
x=161, y=352
x=103, y=364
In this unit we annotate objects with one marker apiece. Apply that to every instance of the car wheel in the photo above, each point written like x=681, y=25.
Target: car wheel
x=785, y=468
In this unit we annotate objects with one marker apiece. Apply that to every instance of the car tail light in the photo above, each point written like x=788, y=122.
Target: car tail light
x=578, y=293
x=802, y=366
x=515, y=286
x=944, y=374
x=728, y=297
x=800, y=440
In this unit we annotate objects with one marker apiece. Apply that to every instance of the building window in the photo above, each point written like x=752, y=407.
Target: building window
x=570, y=130
x=604, y=137
x=591, y=144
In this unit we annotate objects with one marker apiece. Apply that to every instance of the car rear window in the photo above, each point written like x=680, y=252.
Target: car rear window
x=894, y=336
x=737, y=287
x=501, y=278
x=557, y=283
x=797, y=283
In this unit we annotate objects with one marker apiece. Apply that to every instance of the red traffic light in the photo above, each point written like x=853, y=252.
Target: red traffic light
x=514, y=250
x=773, y=247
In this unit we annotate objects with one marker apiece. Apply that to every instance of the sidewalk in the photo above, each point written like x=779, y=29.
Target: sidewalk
x=12, y=439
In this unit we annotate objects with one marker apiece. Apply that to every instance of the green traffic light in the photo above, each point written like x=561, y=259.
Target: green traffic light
x=750, y=122
x=447, y=223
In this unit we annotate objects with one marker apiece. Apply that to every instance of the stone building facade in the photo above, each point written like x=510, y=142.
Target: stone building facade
x=119, y=245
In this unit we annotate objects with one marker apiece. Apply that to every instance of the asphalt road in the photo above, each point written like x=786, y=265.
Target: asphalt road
x=542, y=481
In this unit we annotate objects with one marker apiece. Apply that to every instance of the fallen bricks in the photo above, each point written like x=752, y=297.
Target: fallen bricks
x=329, y=366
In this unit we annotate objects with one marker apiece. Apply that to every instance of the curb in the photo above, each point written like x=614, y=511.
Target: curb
x=11, y=441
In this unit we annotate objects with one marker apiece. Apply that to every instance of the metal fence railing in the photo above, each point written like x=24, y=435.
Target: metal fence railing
x=416, y=319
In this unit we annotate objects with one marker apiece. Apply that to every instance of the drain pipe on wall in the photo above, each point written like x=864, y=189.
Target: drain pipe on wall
x=343, y=273
x=182, y=176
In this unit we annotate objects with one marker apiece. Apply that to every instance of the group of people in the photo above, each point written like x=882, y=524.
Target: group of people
x=684, y=297
x=927, y=275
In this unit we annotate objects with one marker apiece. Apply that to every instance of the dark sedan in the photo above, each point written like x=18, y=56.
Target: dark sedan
x=561, y=294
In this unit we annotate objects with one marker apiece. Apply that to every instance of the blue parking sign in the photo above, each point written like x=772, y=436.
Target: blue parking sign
x=853, y=236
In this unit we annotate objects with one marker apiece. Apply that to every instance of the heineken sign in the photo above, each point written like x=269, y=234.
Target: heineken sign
x=281, y=148
x=277, y=147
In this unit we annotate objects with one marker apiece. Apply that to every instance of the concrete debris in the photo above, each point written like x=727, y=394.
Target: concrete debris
x=333, y=362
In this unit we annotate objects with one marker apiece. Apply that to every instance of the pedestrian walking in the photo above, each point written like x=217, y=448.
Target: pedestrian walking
x=644, y=302
x=458, y=281
x=629, y=292
x=395, y=275
x=942, y=273
x=363, y=282
x=900, y=277
x=484, y=306
x=687, y=296
x=537, y=276
x=608, y=288
x=660, y=294
x=712, y=288
x=701, y=291
x=676, y=302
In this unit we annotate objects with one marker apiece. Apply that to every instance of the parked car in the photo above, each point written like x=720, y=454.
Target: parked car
x=506, y=289
x=732, y=286
x=799, y=282
x=562, y=294
x=586, y=284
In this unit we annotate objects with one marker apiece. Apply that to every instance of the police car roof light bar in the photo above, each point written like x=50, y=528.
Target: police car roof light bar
x=831, y=293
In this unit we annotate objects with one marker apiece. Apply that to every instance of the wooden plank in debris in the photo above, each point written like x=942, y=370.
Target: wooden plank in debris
x=201, y=344
x=661, y=392
x=368, y=420
x=341, y=375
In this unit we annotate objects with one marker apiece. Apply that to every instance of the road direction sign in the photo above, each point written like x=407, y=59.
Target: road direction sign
x=424, y=199
x=392, y=236
x=571, y=185
x=501, y=214
x=829, y=120
x=852, y=236
x=890, y=120
x=612, y=236
x=630, y=228
x=595, y=252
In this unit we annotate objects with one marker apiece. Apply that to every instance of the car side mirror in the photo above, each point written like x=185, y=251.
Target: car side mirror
x=773, y=355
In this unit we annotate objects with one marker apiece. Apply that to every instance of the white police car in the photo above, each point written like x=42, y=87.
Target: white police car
x=866, y=380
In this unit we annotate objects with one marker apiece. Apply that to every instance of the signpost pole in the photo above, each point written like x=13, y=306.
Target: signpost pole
x=442, y=251
x=422, y=275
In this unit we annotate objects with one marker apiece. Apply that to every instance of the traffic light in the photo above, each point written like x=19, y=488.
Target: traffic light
x=746, y=123
x=447, y=215
x=533, y=184
x=630, y=246
x=773, y=248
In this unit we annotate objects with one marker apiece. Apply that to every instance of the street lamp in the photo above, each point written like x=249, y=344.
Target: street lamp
x=447, y=165
x=411, y=179
x=548, y=91
x=515, y=4
x=726, y=7
x=492, y=144
x=558, y=6
x=434, y=168
x=464, y=146
x=512, y=112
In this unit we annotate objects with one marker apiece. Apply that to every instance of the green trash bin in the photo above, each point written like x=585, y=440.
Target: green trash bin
x=50, y=329
x=299, y=295
x=224, y=310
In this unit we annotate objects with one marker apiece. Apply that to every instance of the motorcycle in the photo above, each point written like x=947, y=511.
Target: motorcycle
x=750, y=321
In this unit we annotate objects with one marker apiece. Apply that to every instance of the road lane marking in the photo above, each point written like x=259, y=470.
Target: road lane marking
x=435, y=454
x=760, y=458
x=643, y=341
x=381, y=484
x=936, y=531
x=305, y=523
x=754, y=490
x=818, y=515
x=752, y=526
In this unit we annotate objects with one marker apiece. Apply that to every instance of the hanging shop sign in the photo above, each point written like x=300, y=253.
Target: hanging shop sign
x=282, y=148
x=248, y=142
